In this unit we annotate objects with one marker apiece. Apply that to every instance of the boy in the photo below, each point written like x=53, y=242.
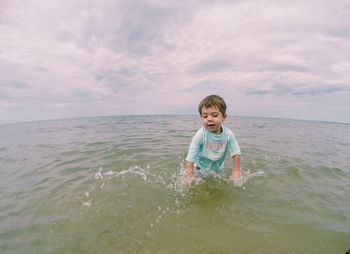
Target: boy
x=212, y=142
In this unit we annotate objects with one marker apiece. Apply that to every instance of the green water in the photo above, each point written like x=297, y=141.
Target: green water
x=112, y=185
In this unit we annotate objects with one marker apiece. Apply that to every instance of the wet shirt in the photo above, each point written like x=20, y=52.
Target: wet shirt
x=208, y=150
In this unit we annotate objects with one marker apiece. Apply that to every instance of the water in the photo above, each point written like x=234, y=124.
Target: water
x=113, y=185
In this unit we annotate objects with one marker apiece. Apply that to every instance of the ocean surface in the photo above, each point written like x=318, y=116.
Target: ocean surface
x=114, y=185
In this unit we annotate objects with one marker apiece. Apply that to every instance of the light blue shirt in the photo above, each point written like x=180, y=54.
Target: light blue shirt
x=208, y=150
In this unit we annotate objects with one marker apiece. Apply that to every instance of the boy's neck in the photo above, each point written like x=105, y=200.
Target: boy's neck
x=221, y=130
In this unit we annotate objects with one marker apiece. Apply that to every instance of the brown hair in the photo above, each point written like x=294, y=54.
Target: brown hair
x=213, y=101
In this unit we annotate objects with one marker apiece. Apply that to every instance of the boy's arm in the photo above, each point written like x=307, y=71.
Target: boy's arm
x=235, y=152
x=192, y=155
x=236, y=172
x=189, y=173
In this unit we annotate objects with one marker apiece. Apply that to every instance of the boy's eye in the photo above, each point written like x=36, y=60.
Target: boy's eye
x=215, y=114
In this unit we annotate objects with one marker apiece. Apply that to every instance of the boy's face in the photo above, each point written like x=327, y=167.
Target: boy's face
x=212, y=119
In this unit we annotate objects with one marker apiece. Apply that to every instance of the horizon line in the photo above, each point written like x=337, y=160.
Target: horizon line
x=168, y=114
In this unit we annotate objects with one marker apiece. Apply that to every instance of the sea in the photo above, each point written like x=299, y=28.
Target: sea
x=115, y=185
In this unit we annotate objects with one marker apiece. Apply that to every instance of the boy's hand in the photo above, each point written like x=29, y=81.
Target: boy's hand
x=237, y=179
x=188, y=180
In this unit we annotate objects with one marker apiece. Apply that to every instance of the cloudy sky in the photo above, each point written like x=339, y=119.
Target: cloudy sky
x=74, y=58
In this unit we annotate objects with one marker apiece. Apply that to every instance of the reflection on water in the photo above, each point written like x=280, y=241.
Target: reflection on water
x=114, y=185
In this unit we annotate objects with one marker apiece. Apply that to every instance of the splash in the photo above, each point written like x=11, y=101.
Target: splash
x=179, y=183
x=177, y=180
x=145, y=175
x=245, y=176
x=134, y=170
x=175, y=183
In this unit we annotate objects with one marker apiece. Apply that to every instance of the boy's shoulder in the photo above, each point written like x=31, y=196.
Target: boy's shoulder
x=200, y=133
x=202, y=130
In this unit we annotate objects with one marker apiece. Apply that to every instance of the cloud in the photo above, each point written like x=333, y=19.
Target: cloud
x=283, y=90
x=81, y=58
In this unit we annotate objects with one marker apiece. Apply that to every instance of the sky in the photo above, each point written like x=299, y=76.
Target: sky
x=266, y=58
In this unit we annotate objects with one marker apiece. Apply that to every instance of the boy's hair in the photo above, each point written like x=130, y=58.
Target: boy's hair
x=213, y=101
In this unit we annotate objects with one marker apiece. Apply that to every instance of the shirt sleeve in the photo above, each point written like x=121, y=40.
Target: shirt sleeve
x=195, y=146
x=234, y=148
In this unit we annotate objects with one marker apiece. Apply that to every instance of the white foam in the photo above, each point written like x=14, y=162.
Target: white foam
x=99, y=174
x=246, y=175
x=135, y=170
x=88, y=203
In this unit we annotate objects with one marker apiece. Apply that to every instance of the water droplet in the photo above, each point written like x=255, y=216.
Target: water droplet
x=88, y=203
